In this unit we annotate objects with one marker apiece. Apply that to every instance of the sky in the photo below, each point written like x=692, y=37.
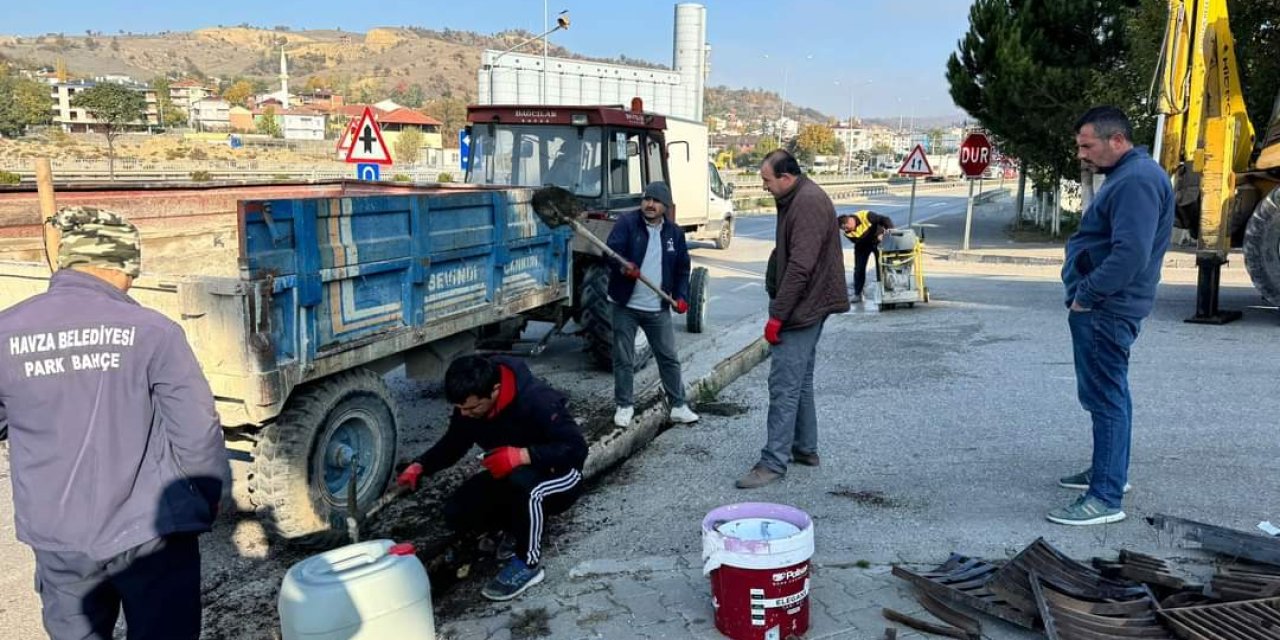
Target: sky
x=874, y=58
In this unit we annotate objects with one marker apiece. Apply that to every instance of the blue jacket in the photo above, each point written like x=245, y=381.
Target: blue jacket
x=630, y=239
x=112, y=431
x=1113, y=261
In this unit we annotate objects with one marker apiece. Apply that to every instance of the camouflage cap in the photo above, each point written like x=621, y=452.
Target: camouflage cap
x=97, y=238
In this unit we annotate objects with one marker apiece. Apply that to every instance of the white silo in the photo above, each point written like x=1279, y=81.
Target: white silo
x=690, y=59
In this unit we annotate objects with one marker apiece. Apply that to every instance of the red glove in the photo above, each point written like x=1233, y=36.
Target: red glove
x=409, y=477
x=630, y=270
x=771, y=329
x=502, y=460
x=682, y=306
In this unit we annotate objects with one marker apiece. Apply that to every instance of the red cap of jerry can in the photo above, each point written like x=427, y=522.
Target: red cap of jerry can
x=402, y=549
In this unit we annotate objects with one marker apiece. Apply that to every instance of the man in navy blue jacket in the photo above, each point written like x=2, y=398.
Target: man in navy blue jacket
x=533, y=460
x=117, y=455
x=1111, y=271
x=654, y=246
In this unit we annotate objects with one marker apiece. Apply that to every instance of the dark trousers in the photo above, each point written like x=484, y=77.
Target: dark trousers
x=517, y=504
x=156, y=583
x=861, y=252
x=1101, y=343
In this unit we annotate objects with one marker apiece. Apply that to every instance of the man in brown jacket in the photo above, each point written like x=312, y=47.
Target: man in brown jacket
x=807, y=270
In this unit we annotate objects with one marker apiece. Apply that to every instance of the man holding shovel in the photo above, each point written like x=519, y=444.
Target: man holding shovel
x=653, y=247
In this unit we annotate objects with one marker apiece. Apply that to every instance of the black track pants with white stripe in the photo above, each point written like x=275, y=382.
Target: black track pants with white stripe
x=518, y=504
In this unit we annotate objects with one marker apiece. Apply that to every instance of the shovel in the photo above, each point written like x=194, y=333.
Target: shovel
x=558, y=207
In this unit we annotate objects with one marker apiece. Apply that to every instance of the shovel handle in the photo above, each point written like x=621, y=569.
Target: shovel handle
x=604, y=248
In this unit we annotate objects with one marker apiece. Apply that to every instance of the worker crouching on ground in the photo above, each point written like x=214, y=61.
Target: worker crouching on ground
x=865, y=229
x=117, y=455
x=533, y=460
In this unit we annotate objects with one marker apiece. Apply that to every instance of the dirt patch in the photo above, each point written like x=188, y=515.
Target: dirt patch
x=534, y=623
x=721, y=408
x=866, y=498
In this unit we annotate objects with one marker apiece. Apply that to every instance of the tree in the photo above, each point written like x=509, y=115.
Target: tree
x=452, y=112
x=239, y=92
x=815, y=140
x=23, y=103
x=115, y=107
x=267, y=124
x=408, y=146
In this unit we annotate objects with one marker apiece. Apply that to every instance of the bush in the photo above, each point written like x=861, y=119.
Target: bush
x=9, y=178
x=879, y=175
x=200, y=176
x=198, y=154
x=282, y=177
x=765, y=202
x=400, y=177
x=444, y=176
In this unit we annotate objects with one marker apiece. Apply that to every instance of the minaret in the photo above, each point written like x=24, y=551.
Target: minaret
x=284, y=80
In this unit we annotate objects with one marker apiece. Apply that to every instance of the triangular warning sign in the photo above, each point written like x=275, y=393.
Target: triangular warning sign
x=344, y=140
x=368, y=145
x=916, y=164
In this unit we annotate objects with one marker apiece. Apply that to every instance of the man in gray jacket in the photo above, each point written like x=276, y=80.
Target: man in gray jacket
x=116, y=454
x=806, y=284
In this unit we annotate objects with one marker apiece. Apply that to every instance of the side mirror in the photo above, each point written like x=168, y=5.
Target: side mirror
x=728, y=188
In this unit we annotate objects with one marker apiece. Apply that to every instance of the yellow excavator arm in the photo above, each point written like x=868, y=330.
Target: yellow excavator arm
x=1206, y=142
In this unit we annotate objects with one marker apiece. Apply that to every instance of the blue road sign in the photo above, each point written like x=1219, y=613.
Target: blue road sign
x=464, y=148
x=367, y=171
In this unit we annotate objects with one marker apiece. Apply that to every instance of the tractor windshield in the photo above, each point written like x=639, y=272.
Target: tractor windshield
x=537, y=155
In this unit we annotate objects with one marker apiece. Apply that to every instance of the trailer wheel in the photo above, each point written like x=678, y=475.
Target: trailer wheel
x=596, y=318
x=303, y=462
x=699, y=285
x=726, y=234
x=1262, y=247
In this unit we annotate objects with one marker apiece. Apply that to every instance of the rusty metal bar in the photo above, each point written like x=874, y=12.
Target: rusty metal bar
x=1228, y=542
x=1249, y=620
x=1013, y=583
x=1069, y=618
x=963, y=581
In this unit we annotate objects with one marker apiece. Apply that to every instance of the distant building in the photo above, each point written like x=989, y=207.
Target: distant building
x=397, y=121
x=301, y=124
x=210, y=114
x=185, y=93
x=240, y=119
x=77, y=120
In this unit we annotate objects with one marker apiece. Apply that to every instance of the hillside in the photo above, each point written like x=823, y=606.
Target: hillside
x=413, y=65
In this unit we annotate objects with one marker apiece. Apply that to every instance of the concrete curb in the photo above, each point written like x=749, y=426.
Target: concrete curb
x=623, y=442
x=1170, y=261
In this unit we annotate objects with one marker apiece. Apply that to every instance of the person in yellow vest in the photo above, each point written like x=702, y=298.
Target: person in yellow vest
x=864, y=229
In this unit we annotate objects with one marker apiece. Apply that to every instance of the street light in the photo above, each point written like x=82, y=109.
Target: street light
x=562, y=22
x=782, y=111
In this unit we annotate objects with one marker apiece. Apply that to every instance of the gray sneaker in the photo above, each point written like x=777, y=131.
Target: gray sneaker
x=1086, y=510
x=1080, y=481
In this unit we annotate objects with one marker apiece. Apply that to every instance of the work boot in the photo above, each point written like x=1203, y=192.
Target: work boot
x=683, y=415
x=1086, y=510
x=622, y=417
x=512, y=580
x=1080, y=481
x=806, y=459
x=757, y=477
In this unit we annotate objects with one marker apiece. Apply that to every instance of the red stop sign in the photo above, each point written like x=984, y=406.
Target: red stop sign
x=975, y=155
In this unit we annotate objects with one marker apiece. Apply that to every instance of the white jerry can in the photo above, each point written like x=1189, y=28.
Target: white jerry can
x=363, y=591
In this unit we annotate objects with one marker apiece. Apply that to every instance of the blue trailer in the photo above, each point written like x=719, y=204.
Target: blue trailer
x=297, y=299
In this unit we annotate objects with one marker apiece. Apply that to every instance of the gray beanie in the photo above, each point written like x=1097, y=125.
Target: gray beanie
x=658, y=190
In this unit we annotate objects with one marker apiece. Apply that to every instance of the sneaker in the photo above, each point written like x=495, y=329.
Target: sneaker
x=757, y=477
x=1086, y=510
x=512, y=580
x=1080, y=481
x=806, y=459
x=622, y=417
x=683, y=415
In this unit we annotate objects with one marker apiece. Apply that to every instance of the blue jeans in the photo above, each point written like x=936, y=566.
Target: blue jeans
x=1101, y=342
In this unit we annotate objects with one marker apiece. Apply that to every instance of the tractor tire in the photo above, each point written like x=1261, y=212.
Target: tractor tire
x=725, y=238
x=596, y=318
x=1262, y=247
x=298, y=480
x=699, y=292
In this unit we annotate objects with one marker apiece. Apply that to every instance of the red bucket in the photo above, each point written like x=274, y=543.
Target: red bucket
x=757, y=555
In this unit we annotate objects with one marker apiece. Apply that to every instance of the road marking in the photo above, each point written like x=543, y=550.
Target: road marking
x=745, y=286
x=939, y=204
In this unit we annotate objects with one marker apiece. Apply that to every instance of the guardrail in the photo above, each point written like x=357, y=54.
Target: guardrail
x=232, y=175
x=750, y=197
